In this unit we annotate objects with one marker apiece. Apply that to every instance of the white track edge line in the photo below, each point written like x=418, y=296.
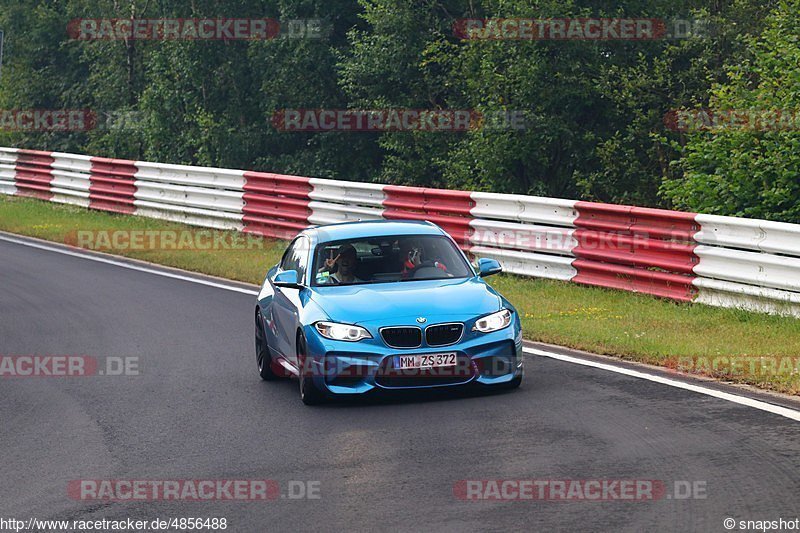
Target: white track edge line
x=129, y=266
x=735, y=398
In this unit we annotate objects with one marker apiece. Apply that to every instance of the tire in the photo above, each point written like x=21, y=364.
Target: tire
x=309, y=393
x=263, y=356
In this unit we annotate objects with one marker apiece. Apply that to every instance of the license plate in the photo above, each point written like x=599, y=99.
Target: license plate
x=433, y=360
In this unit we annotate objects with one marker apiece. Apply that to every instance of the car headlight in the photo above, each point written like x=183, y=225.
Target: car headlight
x=494, y=322
x=342, y=332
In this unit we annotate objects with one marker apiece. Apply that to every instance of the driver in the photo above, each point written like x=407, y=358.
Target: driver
x=412, y=252
x=344, y=265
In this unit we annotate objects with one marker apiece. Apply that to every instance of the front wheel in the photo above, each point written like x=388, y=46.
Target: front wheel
x=263, y=357
x=309, y=393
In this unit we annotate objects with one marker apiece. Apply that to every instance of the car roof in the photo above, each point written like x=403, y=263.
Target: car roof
x=372, y=228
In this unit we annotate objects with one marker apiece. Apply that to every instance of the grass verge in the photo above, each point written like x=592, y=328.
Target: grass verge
x=729, y=344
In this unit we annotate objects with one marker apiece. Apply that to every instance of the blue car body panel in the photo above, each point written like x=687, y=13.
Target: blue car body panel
x=288, y=312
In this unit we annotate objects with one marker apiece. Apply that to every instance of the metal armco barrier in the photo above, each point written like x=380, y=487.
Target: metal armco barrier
x=276, y=205
x=716, y=260
x=34, y=174
x=112, y=185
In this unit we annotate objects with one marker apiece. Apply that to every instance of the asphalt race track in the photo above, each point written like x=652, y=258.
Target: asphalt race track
x=199, y=411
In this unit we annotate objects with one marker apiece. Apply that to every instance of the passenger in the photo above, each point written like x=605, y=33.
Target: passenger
x=344, y=265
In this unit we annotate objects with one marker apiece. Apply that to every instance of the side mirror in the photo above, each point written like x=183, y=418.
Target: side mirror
x=287, y=279
x=487, y=267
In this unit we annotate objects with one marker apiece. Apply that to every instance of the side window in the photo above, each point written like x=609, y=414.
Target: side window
x=295, y=257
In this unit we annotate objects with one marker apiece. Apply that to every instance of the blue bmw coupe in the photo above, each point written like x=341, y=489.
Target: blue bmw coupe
x=360, y=307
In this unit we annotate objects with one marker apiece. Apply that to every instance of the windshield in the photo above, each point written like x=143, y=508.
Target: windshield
x=385, y=259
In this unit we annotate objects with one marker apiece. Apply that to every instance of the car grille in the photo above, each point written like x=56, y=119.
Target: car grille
x=402, y=337
x=443, y=334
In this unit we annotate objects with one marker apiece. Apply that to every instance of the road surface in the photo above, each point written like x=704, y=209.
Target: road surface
x=197, y=410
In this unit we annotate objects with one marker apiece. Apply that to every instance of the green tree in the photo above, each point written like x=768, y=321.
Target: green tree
x=751, y=171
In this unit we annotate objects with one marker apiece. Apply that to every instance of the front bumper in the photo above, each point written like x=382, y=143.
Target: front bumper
x=347, y=368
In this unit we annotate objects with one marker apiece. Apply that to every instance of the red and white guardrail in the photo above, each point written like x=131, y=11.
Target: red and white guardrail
x=716, y=260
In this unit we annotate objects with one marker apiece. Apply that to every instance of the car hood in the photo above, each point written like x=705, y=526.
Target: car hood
x=402, y=302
